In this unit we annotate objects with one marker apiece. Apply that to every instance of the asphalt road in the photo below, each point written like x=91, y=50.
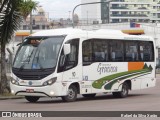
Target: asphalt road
x=139, y=100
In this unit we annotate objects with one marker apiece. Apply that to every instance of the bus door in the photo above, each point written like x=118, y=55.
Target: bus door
x=69, y=65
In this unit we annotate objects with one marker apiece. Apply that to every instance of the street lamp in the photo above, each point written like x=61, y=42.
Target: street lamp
x=69, y=14
x=85, y=4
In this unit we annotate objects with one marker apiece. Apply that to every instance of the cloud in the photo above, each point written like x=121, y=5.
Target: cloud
x=59, y=8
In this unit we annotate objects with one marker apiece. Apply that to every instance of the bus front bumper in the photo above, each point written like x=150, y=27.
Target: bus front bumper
x=57, y=89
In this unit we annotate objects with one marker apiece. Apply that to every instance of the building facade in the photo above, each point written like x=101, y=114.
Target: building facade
x=40, y=20
x=115, y=11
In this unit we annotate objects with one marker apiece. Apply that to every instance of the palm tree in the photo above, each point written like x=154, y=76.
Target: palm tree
x=26, y=8
x=11, y=13
x=10, y=20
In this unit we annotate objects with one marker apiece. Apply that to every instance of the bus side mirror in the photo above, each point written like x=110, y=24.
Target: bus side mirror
x=67, y=49
x=157, y=63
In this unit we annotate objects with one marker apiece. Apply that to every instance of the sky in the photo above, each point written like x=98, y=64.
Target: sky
x=59, y=8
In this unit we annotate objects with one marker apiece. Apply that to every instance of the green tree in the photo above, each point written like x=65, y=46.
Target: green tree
x=11, y=12
x=145, y=66
x=150, y=68
x=10, y=20
x=26, y=7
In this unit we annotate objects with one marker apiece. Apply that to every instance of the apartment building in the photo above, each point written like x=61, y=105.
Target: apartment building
x=115, y=11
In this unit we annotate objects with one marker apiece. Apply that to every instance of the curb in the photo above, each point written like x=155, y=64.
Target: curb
x=10, y=97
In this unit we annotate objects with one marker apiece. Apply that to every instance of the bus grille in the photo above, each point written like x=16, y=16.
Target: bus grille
x=32, y=74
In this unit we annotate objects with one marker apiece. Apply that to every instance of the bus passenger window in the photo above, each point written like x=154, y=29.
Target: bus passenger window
x=100, y=50
x=87, y=52
x=146, y=51
x=131, y=51
x=95, y=50
x=116, y=51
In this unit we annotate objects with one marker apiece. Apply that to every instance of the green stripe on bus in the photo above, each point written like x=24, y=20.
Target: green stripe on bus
x=99, y=83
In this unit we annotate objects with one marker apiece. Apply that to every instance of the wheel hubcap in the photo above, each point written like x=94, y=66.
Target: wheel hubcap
x=71, y=94
x=124, y=91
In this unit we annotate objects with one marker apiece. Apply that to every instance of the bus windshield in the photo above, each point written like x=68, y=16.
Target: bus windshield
x=38, y=53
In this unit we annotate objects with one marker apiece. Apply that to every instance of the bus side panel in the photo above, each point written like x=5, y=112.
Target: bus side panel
x=103, y=73
x=107, y=77
x=73, y=75
x=136, y=84
x=149, y=80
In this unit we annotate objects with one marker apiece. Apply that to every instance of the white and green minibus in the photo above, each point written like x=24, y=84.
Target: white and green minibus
x=67, y=62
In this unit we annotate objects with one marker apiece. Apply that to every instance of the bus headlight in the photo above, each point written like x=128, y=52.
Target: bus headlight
x=50, y=82
x=13, y=81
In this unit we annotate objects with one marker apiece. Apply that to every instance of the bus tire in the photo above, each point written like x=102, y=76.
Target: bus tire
x=89, y=95
x=123, y=93
x=72, y=94
x=32, y=99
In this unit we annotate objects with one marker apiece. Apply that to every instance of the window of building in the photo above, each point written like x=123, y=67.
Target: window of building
x=35, y=27
x=154, y=14
x=33, y=22
x=43, y=26
x=24, y=27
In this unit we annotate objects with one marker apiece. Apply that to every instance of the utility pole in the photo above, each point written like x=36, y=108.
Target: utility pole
x=87, y=18
x=69, y=14
x=31, y=19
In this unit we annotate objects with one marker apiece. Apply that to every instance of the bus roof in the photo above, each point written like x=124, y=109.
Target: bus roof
x=101, y=33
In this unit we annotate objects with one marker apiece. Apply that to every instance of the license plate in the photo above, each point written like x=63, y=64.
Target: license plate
x=29, y=90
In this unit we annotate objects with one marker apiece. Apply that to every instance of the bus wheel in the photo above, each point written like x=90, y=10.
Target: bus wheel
x=32, y=99
x=72, y=94
x=123, y=93
x=89, y=95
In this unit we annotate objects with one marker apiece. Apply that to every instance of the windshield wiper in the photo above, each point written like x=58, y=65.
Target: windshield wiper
x=34, y=64
x=41, y=68
x=40, y=65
